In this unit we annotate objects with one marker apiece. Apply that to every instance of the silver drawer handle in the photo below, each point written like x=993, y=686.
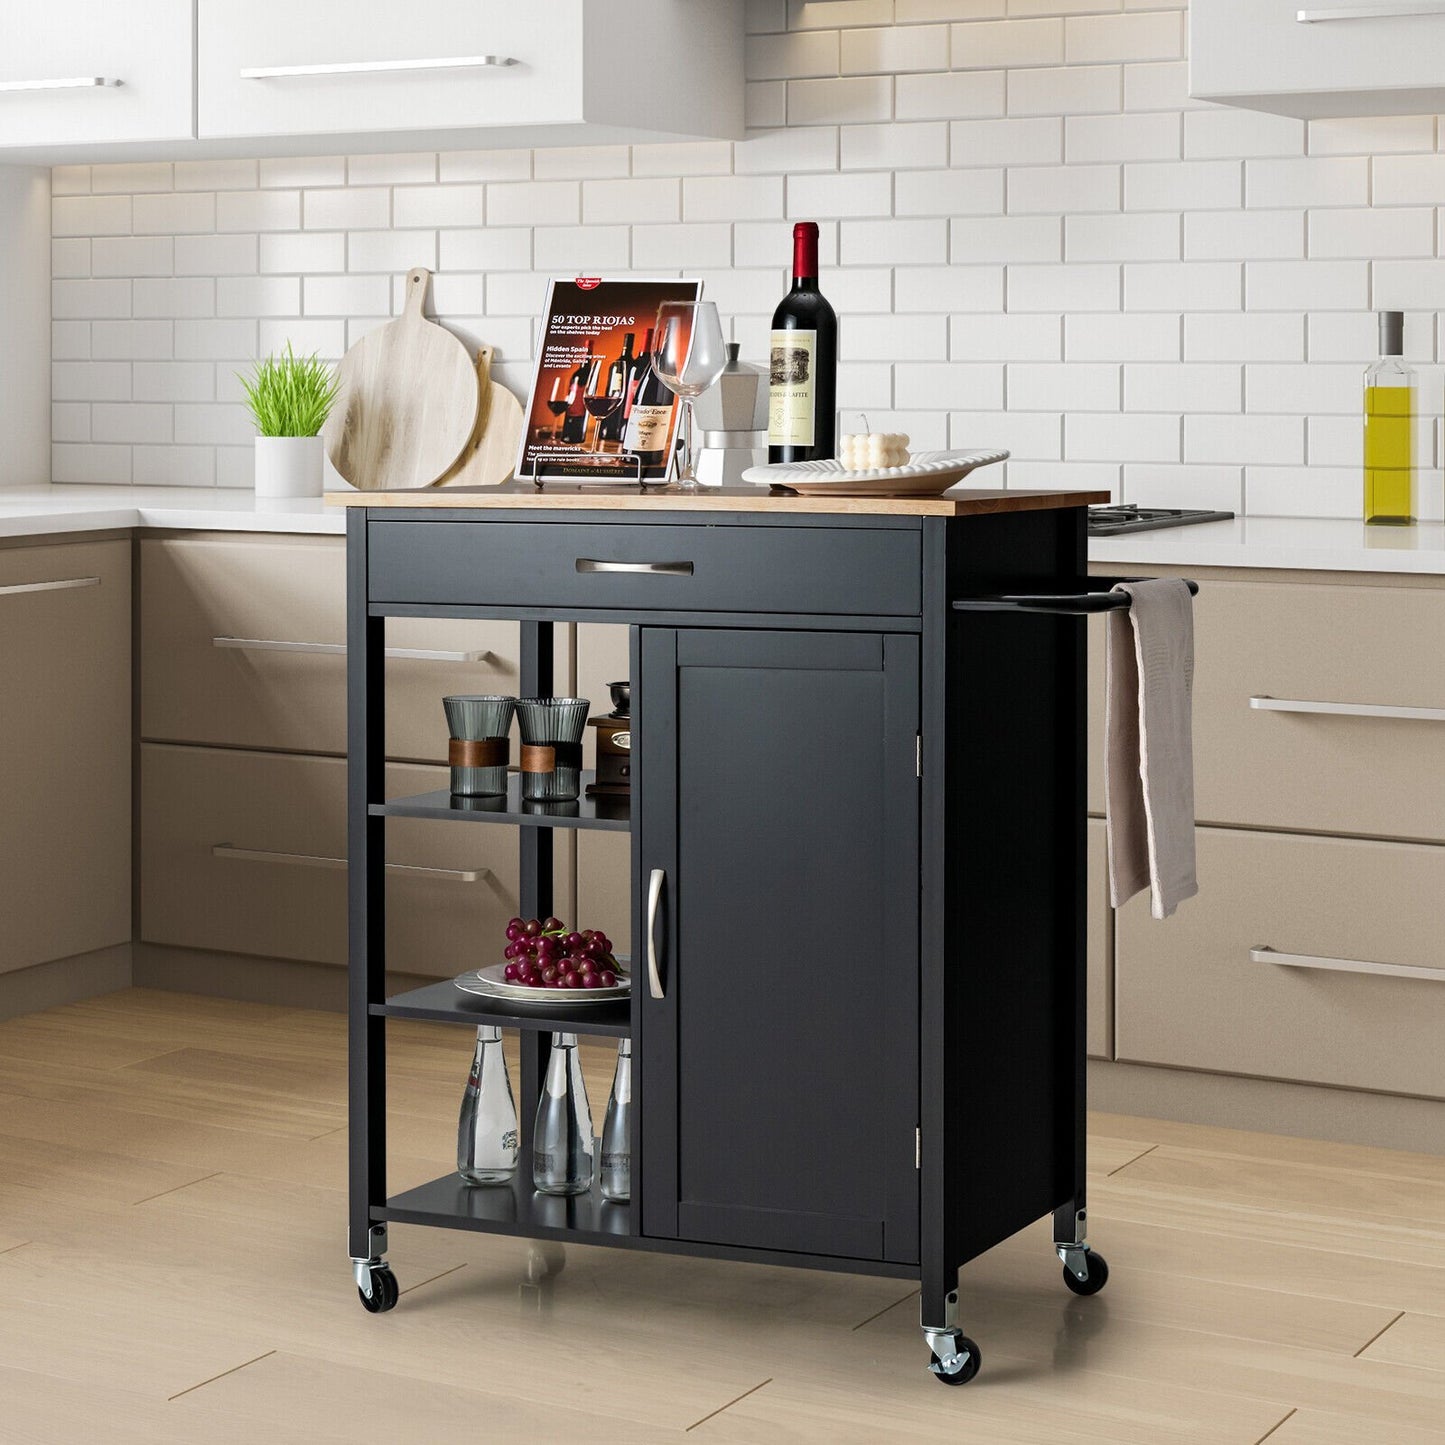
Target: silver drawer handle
x=378, y=67
x=64, y=585
x=654, y=898
x=1265, y=954
x=313, y=860
x=651, y=569
x=1348, y=709
x=73, y=82
x=338, y=649
x=1400, y=10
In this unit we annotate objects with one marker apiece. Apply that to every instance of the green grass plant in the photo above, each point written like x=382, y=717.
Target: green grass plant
x=290, y=396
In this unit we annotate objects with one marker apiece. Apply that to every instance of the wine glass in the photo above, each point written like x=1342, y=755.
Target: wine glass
x=600, y=404
x=557, y=405
x=688, y=358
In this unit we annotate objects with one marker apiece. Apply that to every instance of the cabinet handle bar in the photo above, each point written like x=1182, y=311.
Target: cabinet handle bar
x=378, y=67
x=1265, y=954
x=71, y=82
x=314, y=860
x=654, y=899
x=1348, y=709
x=63, y=585
x=1399, y=11
x=338, y=649
x=650, y=569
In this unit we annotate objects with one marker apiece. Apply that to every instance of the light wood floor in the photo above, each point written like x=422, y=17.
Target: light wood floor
x=173, y=1269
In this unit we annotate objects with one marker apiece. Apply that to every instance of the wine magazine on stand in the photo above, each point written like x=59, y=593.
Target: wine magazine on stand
x=598, y=410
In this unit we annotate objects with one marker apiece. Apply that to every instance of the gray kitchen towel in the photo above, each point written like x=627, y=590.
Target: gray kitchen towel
x=1149, y=749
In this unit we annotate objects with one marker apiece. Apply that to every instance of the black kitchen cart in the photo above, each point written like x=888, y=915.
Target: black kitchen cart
x=858, y=901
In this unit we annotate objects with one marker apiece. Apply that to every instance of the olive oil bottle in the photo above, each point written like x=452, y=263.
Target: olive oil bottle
x=1389, y=420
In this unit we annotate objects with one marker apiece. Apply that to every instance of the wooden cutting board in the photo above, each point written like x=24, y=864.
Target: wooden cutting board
x=492, y=452
x=408, y=402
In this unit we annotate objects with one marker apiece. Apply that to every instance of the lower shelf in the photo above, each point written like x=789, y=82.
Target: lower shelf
x=445, y=1003
x=511, y=1209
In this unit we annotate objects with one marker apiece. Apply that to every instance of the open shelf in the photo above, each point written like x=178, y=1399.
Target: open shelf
x=445, y=1003
x=609, y=813
x=514, y=1208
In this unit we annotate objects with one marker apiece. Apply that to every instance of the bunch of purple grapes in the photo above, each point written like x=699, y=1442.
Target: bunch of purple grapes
x=542, y=953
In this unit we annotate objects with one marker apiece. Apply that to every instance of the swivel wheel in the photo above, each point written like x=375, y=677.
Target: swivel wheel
x=1096, y=1278
x=959, y=1369
x=384, y=1292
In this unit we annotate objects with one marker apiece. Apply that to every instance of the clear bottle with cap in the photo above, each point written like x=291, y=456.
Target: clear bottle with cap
x=1389, y=423
x=562, y=1142
x=487, y=1128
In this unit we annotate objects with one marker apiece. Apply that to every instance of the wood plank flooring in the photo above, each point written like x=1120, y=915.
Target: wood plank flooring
x=173, y=1269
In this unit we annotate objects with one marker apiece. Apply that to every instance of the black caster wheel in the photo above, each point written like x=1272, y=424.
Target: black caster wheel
x=969, y=1368
x=384, y=1292
x=1098, y=1275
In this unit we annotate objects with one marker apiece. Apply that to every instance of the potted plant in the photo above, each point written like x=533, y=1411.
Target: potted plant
x=289, y=398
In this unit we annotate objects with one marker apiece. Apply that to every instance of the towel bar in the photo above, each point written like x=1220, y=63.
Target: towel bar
x=1065, y=604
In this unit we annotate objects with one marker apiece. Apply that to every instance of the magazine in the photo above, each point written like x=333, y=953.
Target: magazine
x=598, y=410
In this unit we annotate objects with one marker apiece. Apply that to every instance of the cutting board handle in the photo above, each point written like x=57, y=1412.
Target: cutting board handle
x=417, y=280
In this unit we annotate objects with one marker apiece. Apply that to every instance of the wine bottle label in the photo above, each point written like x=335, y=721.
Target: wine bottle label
x=792, y=379
x=647, y=428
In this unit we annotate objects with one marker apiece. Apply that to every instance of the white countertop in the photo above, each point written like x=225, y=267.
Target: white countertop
x=1290, y=543
x=38, y=511
x=1311, y=543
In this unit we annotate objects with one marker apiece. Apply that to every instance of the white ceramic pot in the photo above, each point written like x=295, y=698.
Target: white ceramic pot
x=289, y=466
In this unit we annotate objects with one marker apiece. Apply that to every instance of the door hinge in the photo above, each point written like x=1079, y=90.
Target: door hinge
x=918, y=755
x=918, y=1148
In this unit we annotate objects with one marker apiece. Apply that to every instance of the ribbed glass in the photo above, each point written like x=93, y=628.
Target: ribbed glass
x=476, y=717
x=546, y=721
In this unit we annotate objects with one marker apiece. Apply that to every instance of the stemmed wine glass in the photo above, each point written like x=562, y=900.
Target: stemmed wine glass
x=557, y=405
x=600, y=404
x=689, y=358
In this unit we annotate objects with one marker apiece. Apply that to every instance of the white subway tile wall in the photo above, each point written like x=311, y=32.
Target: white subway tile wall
x=1035, y=239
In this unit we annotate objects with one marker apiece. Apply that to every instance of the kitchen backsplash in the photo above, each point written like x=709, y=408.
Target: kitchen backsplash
x=1033, y=238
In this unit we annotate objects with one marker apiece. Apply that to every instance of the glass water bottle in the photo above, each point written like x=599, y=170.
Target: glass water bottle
x=617, y=1130
x=1389, y=417
x=562, y=1143
x=487, y=1130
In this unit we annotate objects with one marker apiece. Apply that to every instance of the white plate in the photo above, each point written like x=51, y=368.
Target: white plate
x=489, y=983
x=927, y=474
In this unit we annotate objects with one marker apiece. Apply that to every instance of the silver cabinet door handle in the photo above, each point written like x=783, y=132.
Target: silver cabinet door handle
x=64, y=585
x=1265, y=954
x=1348, y=709
x=338, y=649
x=70, y=82
x=649, y=569
x=378, y=67
x=1398, y=11
x=314, y=860
x=654, y=899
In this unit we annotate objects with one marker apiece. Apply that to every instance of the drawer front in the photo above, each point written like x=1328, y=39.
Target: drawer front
x=1099, y=947
x=243, y=853
x=1189, y=994
x=235, y=36
x=209, y=604
x=636, y=567
x=148, y=64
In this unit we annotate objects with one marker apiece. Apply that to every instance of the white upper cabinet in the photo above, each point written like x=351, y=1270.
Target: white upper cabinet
x=1314, y=58
x=93, y=72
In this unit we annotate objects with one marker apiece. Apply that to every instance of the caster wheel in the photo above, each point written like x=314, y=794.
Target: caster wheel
x=1098, y=1276
x=384, y=1293
x=970, y=1365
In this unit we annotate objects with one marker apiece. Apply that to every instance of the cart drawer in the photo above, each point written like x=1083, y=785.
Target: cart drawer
x=1190, y=995
x=241, y=853
x=850, y=570
x=234, y=639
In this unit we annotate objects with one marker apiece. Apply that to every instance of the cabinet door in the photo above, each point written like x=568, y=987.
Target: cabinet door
x=65, y=753
x=54, y=58
x=777, y=828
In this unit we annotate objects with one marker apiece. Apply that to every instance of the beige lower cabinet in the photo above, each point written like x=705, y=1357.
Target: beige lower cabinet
x=244, y=852
x=65, y=750
x=1282, y=967
x=1099, y=950
x=604, y=860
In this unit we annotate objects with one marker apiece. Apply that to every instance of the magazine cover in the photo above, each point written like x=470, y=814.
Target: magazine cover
x=598, y=407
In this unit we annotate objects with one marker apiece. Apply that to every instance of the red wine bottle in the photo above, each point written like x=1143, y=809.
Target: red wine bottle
x=575, y=427
x=649, y=415
x=803, y=365
x=617, y=381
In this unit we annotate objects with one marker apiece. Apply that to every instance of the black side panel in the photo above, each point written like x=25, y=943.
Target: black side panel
x=791, y=918
x=1013, y=995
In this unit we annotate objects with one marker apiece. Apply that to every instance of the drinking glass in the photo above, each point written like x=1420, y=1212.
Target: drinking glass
x=600, y=402
x=557, y=405
x=688, y=358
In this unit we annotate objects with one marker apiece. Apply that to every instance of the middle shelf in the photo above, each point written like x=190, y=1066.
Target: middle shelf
x=444, y=1002
x=606, y=812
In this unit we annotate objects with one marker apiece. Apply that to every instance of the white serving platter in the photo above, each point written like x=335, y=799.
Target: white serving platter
x=926, y=474
x=489, y=983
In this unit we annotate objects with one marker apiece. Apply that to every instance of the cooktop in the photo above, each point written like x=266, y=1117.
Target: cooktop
x=1125, y=517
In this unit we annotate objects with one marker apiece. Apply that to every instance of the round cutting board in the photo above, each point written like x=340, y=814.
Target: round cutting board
x=408, y=401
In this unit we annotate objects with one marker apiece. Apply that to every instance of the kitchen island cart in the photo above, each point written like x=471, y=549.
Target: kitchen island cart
x=857, y=831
